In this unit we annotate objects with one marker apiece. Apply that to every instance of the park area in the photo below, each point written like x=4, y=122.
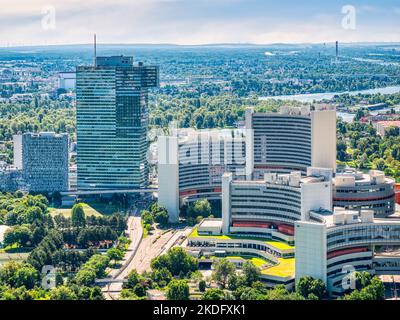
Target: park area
x=92, y=209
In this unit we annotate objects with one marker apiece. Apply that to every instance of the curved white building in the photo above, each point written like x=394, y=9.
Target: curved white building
x=274, y=203
x=191, y=164
x=291, y=140
x=358, y=191
x=343, y=242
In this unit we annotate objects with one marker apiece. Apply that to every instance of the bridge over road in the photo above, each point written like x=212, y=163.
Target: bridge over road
x=99, y=192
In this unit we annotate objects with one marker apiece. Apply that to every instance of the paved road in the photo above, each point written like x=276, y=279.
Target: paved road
x=141, y=252
x=135, y=233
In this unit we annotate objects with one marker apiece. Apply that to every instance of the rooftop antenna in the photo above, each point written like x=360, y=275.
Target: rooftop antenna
x=95, y=51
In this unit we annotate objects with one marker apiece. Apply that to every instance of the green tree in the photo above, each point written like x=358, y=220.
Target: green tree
x=251, y=273
x=281, y=293
x=202, y=286
x=86, y=277
x=162, y=276
x=139, y=290
x=115, y=254
x=200, y=208
x=213, y=294
x=62, y=293
x=363, y=279
x=18, y=274
x=178, y=290
x=78, y=216
x=162, y=217
x=308, y=285
x=176, y=261
x=132, y=281
x=20, y=235
x=223, y=268
x=147, y=217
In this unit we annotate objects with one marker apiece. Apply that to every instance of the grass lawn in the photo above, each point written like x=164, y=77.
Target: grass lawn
x=6, y=257
x=66, y=212
x=91, y=209
x=285, y=268
x=258, y=262
x=280, y=245
x=104, y=208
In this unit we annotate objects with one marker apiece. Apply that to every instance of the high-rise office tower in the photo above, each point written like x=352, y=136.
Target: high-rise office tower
x=112, y=123
x=43, y=158
x=291, y=140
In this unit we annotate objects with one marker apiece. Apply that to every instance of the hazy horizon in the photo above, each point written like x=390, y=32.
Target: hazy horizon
x=200, y=22
x=203, y=45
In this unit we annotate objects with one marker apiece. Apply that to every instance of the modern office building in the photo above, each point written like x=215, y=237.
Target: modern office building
x=43, y=158
x=67, y=80
x=293, y=219
x=258, y=220
x=359, y=191
x=191, y=164
x=291, y=140
x=11, y=179
x=112, y=123
x=345, y=241
x=324, y=244
x=263, y=207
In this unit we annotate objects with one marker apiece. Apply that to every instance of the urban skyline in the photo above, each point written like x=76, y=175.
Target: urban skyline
x=216, y=168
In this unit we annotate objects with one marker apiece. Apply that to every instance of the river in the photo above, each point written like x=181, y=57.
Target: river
x=311, y=97
x=347, y=117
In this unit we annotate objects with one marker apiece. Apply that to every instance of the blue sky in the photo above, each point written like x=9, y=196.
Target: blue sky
x=196, y=21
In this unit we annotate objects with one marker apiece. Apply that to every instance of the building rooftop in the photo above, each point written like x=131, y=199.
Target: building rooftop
x=342, y=216
x=46, y=134
x=389, y=123
x=192, y=135
x=351, y=177
x=293, y=179
x=208, y=223
x=284, y=269
x=280, y=245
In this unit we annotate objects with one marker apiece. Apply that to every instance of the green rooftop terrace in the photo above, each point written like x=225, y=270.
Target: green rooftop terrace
x=285, y=268
x=258, y=262
x=276, y=244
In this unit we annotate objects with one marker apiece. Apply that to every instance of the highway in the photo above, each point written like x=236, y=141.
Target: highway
x=135, y=234
x=155, y=244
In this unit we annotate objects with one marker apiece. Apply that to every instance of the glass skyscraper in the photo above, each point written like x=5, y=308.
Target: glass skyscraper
x=112, y=123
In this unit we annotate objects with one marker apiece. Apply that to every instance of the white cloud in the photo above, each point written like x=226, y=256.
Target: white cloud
x=180, y=21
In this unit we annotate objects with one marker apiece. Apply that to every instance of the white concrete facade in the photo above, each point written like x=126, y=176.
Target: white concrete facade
x=226, y=202
x=315, y=196
x=323, y=138
x=311, y=250
x=249, y=143
x=17, y=139
x=168, y=176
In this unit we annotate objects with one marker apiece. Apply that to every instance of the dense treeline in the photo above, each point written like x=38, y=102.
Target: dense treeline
x=67, y=245
x=203, y=111
x=360, y=147
x=352, y=100
x=23, y=118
